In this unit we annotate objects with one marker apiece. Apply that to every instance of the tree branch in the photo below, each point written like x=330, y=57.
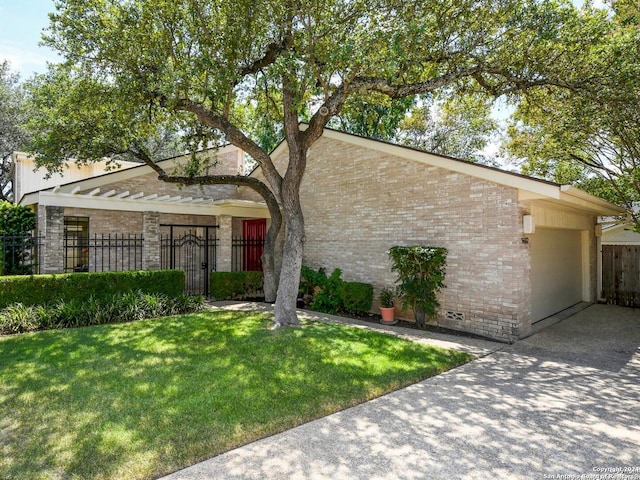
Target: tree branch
x=269, y=57
x=236, y=137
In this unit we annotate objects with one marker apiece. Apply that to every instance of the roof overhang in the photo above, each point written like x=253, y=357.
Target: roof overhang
x=139, y=202
x=127, y=171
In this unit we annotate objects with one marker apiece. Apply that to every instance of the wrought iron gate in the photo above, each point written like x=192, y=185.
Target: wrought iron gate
x=192, y=249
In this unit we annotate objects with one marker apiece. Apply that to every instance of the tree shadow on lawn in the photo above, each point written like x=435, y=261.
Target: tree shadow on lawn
x=510, y=415
x=141, y=399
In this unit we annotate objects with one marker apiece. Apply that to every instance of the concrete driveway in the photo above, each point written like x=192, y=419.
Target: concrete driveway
x=560, y=404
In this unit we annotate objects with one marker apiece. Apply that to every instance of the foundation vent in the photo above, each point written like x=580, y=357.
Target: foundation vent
x=456, y=316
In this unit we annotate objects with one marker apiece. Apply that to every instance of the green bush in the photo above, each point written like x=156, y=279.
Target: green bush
x=235, y=285
x=16, y=224
x=310, y=280
x=328, y=299
x=43, y=289
x=421, y=272
x=331, y=294
x=356, y=297
x=117, y=308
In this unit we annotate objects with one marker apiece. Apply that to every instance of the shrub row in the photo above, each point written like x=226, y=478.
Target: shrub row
x=331, y=294
x=42, y=289
x=235, y=285
x=117, y=308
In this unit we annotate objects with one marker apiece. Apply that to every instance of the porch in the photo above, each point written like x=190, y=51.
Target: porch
x=89, y=232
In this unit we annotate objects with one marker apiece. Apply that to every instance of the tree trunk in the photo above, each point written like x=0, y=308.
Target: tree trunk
x=286, y=302
x=420, y=318
x=271, y=275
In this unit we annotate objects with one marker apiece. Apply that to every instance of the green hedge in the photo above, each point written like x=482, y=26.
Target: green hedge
x=44, y=289
x=331, y=294
x=356, y=297
x=235, y=285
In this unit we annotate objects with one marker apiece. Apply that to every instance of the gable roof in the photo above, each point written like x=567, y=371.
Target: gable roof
x=529, y=188
x=70, y=194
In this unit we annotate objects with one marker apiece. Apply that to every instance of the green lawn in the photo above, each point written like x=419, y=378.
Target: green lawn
x=142, y=399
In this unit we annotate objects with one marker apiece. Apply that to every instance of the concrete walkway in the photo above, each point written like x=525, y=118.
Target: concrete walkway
x=565, y=401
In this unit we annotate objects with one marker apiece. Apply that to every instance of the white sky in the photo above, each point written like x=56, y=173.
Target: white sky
x=21, y=24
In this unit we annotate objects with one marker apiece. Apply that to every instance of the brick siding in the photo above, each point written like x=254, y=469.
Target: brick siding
x=360, y=202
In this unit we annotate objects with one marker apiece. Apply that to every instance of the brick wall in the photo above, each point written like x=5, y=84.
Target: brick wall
x=51, y=228
x=104, y=222
x=359, y=202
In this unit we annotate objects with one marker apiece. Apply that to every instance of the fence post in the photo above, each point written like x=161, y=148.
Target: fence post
x=151, y=242
x=51, y=230
x=225, y=234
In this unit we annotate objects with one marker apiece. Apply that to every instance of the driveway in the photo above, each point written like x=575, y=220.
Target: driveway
x=560, y=404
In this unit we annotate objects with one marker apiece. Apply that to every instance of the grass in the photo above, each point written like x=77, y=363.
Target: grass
x=142, y=399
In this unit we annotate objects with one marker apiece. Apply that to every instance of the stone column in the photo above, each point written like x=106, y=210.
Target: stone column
x=51, y=233
x=151, y=244
x=225, y=236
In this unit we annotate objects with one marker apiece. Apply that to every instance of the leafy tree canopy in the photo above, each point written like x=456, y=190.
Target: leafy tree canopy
x=589, y=136
x=12, y=117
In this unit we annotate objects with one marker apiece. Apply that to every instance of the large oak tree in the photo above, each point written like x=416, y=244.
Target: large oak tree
x=590, y=135
x=198, y=64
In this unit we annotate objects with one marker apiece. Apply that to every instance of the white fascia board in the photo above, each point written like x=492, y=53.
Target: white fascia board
x=234, y=208
x=29, y=199
x=588, y=201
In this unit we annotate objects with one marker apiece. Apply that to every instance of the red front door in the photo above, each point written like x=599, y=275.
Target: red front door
x=253, y=234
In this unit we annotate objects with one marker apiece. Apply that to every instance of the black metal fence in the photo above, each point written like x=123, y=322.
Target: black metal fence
x=103, y=253
x=195, y=254
x=20, y=254
x=246, y=254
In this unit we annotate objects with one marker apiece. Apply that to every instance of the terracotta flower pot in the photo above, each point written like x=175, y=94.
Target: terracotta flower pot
x=388, y=315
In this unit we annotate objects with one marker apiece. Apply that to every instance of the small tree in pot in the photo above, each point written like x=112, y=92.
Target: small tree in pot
x=387, y=308
x=421, y=272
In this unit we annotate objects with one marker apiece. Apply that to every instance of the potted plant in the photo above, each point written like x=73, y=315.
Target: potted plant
x=387, y=308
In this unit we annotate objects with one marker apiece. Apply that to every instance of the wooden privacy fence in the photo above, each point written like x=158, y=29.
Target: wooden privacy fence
x=621, y=275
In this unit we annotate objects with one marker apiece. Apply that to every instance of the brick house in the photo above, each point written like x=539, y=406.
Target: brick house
x=128, y=219
x=520, y=249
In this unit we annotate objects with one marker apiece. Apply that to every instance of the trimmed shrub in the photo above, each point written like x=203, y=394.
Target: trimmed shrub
x=235, y=285
x=118, y=308
x=421, y=272
x=356, y=297
x=43, y=289
x=328, y=299
x=333, y=295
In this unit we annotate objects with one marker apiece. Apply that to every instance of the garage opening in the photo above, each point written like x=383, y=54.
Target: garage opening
x=556, y=271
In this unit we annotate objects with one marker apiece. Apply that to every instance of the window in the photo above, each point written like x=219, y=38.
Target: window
x=76, y=244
